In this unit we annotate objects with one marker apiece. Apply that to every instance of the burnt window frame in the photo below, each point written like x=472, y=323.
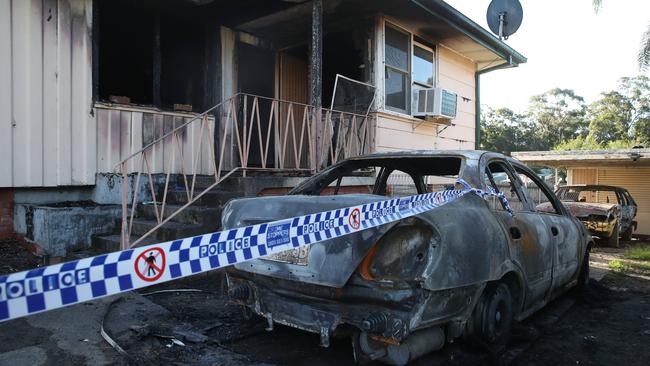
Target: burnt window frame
x=204, y=94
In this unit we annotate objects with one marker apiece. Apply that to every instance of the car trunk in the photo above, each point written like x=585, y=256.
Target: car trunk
x=328, y=263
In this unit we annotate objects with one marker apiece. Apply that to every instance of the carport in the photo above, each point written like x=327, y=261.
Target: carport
x=628, y=168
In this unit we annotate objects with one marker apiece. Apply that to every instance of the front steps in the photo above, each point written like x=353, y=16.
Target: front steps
x=202, y=217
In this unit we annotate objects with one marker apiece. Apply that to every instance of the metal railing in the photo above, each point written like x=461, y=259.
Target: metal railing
x=247, y=133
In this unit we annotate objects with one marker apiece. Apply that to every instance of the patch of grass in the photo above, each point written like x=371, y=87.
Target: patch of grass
x=620, y=266
x=639, y=253
x=624, y=266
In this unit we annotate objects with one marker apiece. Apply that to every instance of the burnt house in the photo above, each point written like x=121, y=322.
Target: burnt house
x=121, y=102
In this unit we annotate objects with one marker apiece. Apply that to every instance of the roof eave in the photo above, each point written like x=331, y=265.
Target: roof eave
x=462, y=23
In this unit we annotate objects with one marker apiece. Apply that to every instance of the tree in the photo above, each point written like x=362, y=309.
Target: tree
x=643, y=56
x=558, y=115
x=588, y=143
x=505, y=131
x=622, y=114
x=637, y=90
x=610, y=118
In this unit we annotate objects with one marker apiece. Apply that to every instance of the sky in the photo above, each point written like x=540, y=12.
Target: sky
x=567, y=46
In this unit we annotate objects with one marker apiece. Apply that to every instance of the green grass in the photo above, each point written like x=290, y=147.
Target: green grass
x=624, y=266
x=639, y=253
x=619, y=266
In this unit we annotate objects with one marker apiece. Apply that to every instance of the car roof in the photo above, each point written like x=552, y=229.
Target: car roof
x=595, y=187
x=468, y=154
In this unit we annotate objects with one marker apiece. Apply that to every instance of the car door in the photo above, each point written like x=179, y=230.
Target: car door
x=628, y=210
x=531, y=244
x=566, y=235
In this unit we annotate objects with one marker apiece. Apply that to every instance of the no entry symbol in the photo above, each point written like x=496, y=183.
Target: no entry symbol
x=150, y=264
x=355, y=219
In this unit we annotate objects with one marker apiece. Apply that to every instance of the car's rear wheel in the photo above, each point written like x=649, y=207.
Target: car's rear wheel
x=492, y=319
x=613, y=240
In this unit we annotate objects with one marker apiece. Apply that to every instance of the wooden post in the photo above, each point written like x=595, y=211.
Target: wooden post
x=316, y=80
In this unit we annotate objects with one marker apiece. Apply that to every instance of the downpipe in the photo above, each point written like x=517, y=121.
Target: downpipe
x=415, y=346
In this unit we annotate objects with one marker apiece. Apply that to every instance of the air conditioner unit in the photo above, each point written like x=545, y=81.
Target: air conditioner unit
x=435, y=103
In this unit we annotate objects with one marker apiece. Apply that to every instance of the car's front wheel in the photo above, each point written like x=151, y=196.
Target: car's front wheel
x=627, y=234
x=613, y=240
x=492, y=319
x=583, y=277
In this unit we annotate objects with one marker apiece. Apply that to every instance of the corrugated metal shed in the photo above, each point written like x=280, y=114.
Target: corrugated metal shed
x=47, y=130
x=637, y=181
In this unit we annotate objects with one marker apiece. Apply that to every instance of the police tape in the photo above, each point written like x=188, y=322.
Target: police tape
x=52, y=287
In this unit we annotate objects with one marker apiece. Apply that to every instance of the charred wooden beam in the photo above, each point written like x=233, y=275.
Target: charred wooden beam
x=316, y=77
x=157, y=59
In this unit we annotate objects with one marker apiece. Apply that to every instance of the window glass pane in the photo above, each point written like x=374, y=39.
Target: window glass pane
x=422, y=66
x=397, y=48
x=396, y=89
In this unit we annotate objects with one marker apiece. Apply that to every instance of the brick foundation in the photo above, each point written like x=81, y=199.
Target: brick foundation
x=6, y=212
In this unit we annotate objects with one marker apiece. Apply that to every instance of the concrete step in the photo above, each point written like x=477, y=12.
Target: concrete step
x=111, y=243
x=171, y=230
x=194, y=215
x=214, y=199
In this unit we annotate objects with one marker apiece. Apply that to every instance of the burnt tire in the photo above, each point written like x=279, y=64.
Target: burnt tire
x=583, y=277
x=627, y=234
x=492, y=319
x=613, y=240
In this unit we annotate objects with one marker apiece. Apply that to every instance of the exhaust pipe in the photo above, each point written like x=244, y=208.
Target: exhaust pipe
x=416, y=345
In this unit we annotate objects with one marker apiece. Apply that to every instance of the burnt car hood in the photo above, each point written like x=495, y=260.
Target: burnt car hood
x=330, y=262
x=582, y=209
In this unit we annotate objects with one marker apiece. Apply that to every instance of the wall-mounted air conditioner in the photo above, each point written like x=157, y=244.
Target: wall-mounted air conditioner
x=434, y=103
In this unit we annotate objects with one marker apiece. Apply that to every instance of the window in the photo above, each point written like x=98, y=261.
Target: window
x=407, y=64
x=422, y=66
x=535, y=192
x=397, y=49
x=400, y=184
x=154, y=53
x=590, y=195
x=496, y=176
x=386, y=176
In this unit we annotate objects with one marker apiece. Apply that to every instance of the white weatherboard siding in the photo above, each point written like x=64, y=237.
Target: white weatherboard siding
x=47, y=129
x=123, y=131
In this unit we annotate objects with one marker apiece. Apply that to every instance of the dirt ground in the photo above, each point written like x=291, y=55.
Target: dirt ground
x=15, y=258
x=608, y=326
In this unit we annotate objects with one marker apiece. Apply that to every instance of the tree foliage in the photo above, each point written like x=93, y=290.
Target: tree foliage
x=559, y=119
x=558, y=115
x=506, y=131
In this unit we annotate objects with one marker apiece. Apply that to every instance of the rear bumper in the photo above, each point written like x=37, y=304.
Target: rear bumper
x=384, y=312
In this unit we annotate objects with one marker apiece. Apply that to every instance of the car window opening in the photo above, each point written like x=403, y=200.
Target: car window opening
x=388, y=177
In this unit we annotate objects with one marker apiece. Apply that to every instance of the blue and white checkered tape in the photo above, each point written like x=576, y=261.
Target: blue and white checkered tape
x=59, y=285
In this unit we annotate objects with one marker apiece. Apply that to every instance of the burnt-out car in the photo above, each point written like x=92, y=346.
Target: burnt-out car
x=607, y=211
x=468, y=268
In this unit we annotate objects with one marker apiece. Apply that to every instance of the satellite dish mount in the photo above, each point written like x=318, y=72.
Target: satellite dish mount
x=504, y=17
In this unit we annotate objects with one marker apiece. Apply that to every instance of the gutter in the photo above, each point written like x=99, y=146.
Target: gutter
x=477, y=98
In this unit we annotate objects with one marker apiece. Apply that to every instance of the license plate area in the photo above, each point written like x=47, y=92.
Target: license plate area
x=299, y=256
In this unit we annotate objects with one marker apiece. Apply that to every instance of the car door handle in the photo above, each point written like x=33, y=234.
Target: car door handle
x=554, y=231
x=515, y=233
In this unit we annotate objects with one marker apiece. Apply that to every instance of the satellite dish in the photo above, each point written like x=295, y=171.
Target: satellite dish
x=504, y=17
